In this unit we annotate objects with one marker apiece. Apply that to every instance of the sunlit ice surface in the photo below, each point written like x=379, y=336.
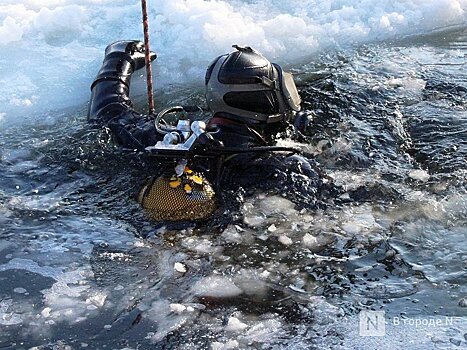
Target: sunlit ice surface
x=51, y=50
x=81, y=266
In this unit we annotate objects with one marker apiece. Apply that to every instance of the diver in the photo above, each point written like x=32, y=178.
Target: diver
x=250, y=101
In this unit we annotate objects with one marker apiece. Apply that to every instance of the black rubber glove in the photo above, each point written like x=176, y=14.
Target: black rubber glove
x=134, y=50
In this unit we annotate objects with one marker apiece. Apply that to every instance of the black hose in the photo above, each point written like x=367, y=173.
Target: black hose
x=259, y=149
x=157, y=122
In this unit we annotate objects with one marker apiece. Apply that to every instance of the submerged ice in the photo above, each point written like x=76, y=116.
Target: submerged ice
x=51, y=50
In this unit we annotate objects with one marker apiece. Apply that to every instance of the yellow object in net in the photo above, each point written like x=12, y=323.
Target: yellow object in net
x=166, y=200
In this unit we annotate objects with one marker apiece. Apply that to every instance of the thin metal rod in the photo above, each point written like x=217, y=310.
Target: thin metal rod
x=147, y=56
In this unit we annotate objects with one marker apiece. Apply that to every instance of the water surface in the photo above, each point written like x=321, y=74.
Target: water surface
x=81, y=266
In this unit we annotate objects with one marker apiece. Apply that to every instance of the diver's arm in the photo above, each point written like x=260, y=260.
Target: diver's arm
x=110, y=104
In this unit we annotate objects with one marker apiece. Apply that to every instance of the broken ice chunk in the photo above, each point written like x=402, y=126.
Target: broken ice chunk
x=177, y=308
x=216, y=287
x=179, y=267
x=272, y=228
x=285, y=240
x=235, y=325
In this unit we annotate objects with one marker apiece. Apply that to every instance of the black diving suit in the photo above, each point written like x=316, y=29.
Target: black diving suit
x=110, y=106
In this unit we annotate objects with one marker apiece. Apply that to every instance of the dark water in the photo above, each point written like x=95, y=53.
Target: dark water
x=81, y=266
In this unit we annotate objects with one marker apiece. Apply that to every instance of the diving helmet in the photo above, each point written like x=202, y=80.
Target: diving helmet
x=245, y=85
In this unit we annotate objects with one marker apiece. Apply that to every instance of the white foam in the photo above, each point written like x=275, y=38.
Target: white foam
x=51, y=50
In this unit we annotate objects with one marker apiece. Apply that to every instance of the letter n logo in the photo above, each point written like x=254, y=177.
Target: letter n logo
x=372, y=324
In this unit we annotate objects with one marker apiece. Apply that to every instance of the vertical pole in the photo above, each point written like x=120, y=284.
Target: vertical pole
x=147, y=56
